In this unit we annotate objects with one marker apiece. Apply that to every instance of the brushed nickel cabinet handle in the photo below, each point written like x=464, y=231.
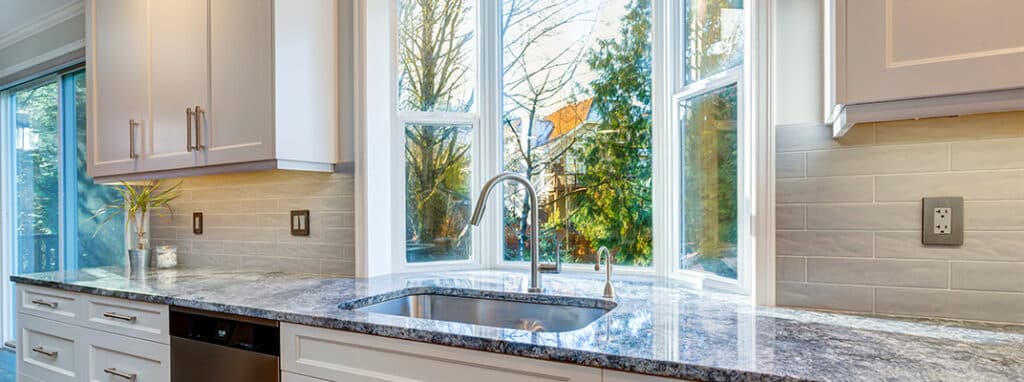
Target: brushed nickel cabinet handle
x=131, y=139
x=119, y=373
x=188, y=129
x=121, y=317
x=199, y=127
x=48, y=304
x=43, y=351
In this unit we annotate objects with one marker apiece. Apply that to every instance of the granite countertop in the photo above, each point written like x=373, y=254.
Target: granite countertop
x=658, y=327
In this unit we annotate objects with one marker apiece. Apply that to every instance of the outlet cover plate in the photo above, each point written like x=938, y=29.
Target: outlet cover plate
x=197, y=223
x=942, y=221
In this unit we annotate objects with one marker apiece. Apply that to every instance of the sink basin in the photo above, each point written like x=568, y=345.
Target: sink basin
x=570, y=314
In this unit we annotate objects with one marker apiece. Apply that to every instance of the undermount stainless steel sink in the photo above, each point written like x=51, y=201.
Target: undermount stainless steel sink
x=531, y=316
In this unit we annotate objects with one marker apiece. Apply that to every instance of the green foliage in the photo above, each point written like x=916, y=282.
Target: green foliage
x=137, y=202
x=433, y=52
x=614, y=209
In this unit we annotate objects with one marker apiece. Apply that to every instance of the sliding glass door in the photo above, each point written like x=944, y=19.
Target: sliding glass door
x=48, y=199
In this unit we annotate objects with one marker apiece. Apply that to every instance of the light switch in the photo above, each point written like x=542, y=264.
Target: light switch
x=197, y=223
x=300, y=223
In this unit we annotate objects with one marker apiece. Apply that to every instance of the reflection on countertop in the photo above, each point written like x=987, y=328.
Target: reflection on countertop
x=659, y=327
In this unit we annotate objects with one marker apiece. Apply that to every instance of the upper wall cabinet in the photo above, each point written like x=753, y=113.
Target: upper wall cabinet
x=192, y=87
x=904, y=59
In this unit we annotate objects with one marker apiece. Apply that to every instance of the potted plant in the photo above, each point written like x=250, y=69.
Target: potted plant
x=137, y=201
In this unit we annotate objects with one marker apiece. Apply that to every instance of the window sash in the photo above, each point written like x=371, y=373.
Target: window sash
x=668, y=90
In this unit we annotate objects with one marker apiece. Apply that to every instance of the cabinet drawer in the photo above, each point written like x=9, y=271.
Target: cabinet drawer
x=47, y=350
x=49, y=303
x=130, y=318
x=117, y=358
x=343, y=356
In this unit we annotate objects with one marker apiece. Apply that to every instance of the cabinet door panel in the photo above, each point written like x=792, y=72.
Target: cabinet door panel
x=914, y=48
x=48, y=350
x=117, y=78
x=240, y=122
x=111, y=357
x=178, y=48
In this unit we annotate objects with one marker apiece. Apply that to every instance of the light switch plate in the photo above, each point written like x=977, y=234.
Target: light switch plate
x=197, y=223
x=942, y=221
x=300, y=223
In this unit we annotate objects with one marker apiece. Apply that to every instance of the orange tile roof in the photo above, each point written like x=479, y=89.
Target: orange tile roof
x=568, y=118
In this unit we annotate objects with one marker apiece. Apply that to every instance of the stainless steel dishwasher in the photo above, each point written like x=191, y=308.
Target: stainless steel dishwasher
x=207, y=347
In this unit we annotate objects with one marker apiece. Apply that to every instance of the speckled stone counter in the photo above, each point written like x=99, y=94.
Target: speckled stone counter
x=658, y=327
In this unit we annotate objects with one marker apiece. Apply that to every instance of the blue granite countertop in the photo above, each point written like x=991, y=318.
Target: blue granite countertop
x=658, y=326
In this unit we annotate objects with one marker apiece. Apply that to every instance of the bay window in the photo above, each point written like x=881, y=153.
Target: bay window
x=628, y=116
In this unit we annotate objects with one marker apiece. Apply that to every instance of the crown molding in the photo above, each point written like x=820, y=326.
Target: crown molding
x=43, y=58
x=42, y=23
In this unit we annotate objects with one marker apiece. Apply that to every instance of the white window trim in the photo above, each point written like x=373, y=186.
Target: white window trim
x=379, y=199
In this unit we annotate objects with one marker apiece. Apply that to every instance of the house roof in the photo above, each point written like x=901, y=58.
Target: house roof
x=565, y=120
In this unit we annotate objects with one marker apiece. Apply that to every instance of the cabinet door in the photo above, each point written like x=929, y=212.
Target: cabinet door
x=921, y=48
x=178, y=50
x=118, y=78
x=110, y=357
x=48, y=350
x=344, y=356
x=239, y=126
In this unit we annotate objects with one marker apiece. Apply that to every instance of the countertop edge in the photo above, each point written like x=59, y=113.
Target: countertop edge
x=545, y=353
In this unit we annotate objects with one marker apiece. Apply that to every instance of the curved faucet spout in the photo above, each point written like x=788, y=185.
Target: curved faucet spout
x=531, y=193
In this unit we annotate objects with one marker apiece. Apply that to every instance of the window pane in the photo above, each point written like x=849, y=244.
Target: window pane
x=96, y=245
x=436, y=55
x=713, y=37
x=576, y=122
x=36, y=204
x=437, y=170
x=709, y=182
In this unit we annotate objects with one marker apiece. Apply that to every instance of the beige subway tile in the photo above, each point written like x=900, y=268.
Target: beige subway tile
x=316, y=235
x=207, y=247
x=995, y=246
x=338, y=219
x=336, y=203
x=251, y=248
x=905, y=273
x=943, y=129
x=338, y=268
x=789, y=216
x=790, y=138
x=230, y=220
x=995, y=185
x=1003, y=215
x=237, y=233
x=823, y=243
x=186, y=260
x=878, y=160
x=823, y=296
x=281, y=264
x=823, y=190
x=889, y=216
x=163, y=232
x=789, y=165
x=970, y=305
x=1006, y=277
x=988, y=154
x=790, y=269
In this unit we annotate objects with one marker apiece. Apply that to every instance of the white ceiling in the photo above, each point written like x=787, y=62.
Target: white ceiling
x=16, y=13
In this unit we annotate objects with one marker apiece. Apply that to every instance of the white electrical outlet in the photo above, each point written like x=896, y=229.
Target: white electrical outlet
x=943, y=219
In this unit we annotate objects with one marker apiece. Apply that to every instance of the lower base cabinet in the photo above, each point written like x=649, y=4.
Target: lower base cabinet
x=310, y=354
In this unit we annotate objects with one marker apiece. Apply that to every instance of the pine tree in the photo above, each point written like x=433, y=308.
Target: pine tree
x=614, y=207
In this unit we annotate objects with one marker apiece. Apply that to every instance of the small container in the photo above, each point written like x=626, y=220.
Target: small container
x=166, y=257
x=139, y=261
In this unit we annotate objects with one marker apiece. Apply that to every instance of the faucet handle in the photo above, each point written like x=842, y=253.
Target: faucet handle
x=550, y=268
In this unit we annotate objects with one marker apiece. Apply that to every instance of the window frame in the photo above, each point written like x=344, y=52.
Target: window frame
x=668, y=87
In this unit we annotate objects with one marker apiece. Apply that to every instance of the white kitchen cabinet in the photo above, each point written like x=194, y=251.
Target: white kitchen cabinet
x=117, y=54
x=96, y=338
x=903, y=59
x=210, y=86
x=342, y=356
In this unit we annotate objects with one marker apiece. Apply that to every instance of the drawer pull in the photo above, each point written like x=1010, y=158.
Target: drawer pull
x=43, y=351
x=119, y=316
x=119, y=373
x=48, y=304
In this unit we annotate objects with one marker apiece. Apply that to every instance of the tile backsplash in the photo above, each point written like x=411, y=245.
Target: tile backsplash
x=848, y=217
x=246, y=222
